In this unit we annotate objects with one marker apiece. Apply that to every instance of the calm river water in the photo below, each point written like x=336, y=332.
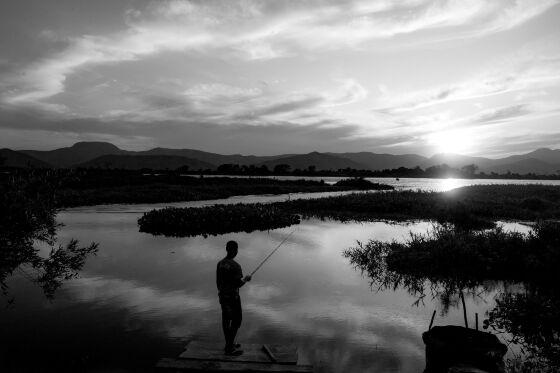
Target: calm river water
x=143, y=297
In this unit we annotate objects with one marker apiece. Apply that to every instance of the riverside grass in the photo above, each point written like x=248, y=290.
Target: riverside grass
x=111, y=187
x=474, y=207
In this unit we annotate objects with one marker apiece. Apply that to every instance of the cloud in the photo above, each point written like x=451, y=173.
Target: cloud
x=241, y=136
x=527, y=72
x=261, y=30
x=217, y=91
x=522, y=142
x=225, y=104
x=502, y=114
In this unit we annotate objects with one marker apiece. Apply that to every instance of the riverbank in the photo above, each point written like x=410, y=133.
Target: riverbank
x=472, y=207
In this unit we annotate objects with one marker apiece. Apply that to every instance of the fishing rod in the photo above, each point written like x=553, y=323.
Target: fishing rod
x=272, y=252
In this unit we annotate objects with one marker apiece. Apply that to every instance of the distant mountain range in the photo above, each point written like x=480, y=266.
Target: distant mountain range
x=136, y=162
x=105, y=155
x=12, y=158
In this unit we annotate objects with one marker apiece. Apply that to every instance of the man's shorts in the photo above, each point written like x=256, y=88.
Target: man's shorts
x=231, y=308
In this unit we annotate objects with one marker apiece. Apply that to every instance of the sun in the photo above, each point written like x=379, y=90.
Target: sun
x=458, y=141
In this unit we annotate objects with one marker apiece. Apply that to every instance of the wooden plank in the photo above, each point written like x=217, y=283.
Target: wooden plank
x=252, y=353
x=181, y=365
x=269, y=353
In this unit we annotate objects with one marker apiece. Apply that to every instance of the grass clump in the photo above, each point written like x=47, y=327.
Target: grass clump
x=446, y=253
x=214, y=220
x=360, y=183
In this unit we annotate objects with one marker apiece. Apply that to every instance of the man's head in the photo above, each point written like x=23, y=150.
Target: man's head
x=231, y=248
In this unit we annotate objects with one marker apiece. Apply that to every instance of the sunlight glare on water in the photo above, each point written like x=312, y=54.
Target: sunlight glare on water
x=448, y=184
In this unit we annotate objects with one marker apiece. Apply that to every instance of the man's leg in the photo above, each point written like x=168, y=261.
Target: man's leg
x=228, y=326
x=236, y=318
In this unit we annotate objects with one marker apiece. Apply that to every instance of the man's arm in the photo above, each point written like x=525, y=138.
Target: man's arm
x=239, y=275
x=245, y=280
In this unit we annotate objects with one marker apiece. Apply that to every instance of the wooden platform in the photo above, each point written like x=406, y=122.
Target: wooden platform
x=208, y=357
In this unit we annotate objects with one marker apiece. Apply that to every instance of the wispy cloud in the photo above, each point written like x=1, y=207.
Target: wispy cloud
x=532, y=71
x=502, y=114
x=262, y=30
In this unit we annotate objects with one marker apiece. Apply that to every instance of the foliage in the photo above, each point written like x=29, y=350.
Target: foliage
x=28, y=204
x=447, y=253
x=532, y=319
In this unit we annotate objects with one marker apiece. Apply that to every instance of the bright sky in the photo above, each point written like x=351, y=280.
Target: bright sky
x=263, y=77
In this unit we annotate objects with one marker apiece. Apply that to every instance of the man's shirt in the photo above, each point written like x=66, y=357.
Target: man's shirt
x=228, y=277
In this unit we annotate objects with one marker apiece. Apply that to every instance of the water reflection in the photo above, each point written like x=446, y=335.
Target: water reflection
x=141, y=291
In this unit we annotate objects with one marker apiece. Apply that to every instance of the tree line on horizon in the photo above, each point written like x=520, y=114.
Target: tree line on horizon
x=437, y=171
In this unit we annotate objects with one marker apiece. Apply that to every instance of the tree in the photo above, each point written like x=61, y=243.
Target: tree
x=183, y=169
x=28, y=204
x=469, y=169
x=280, y=169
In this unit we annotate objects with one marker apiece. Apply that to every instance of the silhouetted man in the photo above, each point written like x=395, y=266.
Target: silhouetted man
x=229, y=279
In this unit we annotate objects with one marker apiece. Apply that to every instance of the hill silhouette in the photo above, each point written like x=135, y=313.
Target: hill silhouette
x=543, y=161
x=137, y=162
x=11, y=158
x=75, y=154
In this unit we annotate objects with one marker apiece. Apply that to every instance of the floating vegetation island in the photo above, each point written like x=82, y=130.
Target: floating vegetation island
x=474, y=207
x=214, y=220
x=449, y=264
x=477, y=255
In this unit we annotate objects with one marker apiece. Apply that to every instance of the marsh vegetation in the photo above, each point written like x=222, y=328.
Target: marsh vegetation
x=214, y=220
x=466, y=208
x=449, y=264
x=86, y=187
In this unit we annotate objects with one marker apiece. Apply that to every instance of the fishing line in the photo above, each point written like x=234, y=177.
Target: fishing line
x=272, y=252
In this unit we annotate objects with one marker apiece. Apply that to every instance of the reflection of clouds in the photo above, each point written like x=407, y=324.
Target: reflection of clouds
x=182, y=313
x=201, y=250
x=176, y=313
x=307, y=294
x=262, y=292
x=141, y=299
x=357, y=324
x=342, y=337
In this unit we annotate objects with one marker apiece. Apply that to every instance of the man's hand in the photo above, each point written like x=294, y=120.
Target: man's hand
x=247, y=279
